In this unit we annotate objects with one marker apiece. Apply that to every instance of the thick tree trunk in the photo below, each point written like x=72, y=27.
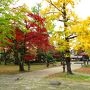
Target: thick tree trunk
x=68, y=59
x=67, y=53
x=21, y=62
x=18, y=61
x=69, y=71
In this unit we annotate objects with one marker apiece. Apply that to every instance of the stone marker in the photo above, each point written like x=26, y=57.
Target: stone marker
x=55, y=82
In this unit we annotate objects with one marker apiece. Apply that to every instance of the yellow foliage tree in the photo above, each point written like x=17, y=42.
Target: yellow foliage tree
x=82, y=30
x=62, y=11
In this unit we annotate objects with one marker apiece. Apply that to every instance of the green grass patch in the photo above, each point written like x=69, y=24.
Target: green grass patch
x=86, y=66
x=65, y=76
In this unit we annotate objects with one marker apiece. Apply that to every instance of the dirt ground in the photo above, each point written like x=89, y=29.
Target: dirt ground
x=36, y=81
x=9, y=82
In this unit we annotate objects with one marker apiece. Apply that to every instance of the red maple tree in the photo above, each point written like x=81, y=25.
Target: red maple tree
x=38, y=35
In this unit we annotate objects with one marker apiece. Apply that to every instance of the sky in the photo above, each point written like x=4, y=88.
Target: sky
x=82, y=9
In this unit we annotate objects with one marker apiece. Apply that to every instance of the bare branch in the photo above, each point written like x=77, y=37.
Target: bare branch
x=61, y=20
x=54, y=5
x=64, y=20
x=51, y=12
x=71, y=36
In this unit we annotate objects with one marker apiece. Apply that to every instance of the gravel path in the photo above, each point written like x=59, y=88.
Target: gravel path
x=35, y=81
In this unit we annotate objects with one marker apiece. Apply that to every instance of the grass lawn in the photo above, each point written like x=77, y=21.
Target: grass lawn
x=14, y=69
x=65, y=76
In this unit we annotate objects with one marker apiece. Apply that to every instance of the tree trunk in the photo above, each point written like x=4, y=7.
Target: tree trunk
x=4, y=58
x=21, y=62
x=47, y=63
x=5, y=61
x=63, y=63
x=69, y=71
x=87, y=62
x=67, y=52
x=16, y=58
x=21, y=66
x=28, y=65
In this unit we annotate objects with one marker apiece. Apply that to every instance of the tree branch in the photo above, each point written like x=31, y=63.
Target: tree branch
x=51, y=12
x=64, y=20
x=71, y=36
x=54, y=5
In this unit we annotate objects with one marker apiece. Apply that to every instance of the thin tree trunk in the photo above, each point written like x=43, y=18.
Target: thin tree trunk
x=4, y=57
x=63, y=63
x=28, y=65
x=87, y=62
x=15, y=50
x=16, y=58
x=21, y=66
x=47, y=63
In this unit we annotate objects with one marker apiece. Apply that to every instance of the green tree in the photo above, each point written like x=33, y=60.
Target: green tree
x=11, y=17
x=5, y=20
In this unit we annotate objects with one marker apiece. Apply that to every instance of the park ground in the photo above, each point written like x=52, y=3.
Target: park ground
x=43, y=79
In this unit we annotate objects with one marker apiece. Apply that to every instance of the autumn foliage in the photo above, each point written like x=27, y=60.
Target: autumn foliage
x=36, y=37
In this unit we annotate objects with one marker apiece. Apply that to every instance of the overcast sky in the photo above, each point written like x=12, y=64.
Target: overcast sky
x=82, y=9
